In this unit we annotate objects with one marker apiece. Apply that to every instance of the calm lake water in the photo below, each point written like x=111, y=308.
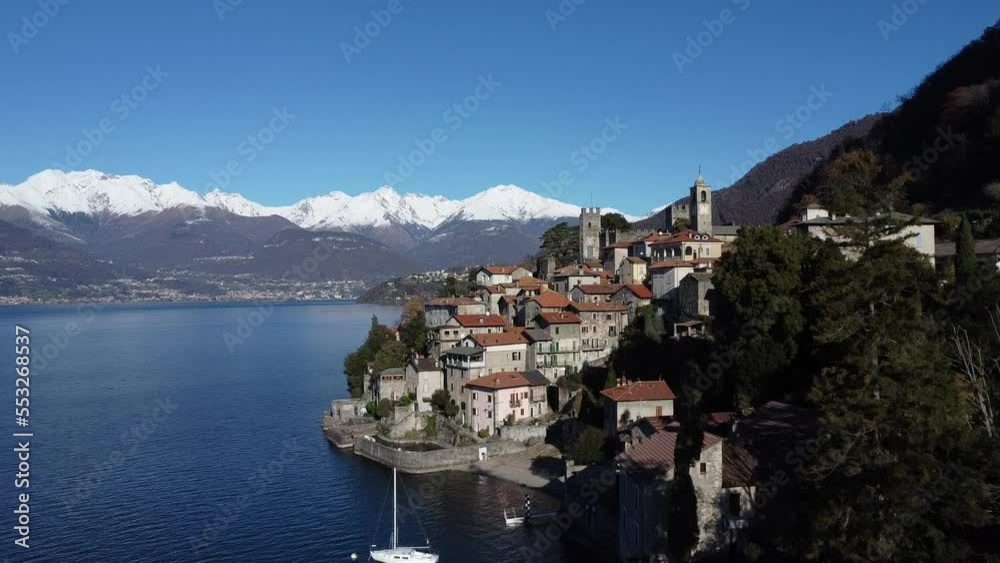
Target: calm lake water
x=154, y=442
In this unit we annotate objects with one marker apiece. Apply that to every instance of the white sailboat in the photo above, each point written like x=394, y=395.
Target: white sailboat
x=395, y=553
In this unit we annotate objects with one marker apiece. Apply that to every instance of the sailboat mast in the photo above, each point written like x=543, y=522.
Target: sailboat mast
x=395, y=531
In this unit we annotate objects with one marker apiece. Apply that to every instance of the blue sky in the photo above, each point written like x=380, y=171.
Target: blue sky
x=557, y=79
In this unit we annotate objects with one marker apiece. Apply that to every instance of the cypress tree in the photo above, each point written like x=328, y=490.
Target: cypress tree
x=965, y=254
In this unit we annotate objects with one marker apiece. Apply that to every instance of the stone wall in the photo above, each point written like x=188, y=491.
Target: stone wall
x=342, y=435
x=431, y=461
x=523, y=433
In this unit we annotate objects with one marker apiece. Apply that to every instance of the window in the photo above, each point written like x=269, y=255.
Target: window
x=703, y=468
x=489, y=398
x=525, y=394
x=473, y=412
x=522, y=412
x=516, y=356
x=557, y=332
x=733, y=500
x=704, y=196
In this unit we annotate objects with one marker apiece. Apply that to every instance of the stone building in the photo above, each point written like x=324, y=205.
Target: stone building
x=696, y=296
x=590, y=234
x=438, y=311
x=600, y=327
x=449, y=334
x=546, y=302
x=423, y=378
x=566, y=278
x=391, y=384
x=594, y=293
x=634, y=296
x=701, y=206
x=734, y=461
x=633, y=270
x=496, y=275
x=563, y=347
x=686, y=245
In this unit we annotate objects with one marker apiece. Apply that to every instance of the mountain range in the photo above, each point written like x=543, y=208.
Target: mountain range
x=132, y=224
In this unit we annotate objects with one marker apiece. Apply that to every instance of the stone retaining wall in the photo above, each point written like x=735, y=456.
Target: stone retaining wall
x=520, y=433
x=429, y=462
x=343, y=436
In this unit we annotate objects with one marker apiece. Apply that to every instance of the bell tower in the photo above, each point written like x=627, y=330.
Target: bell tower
x=590, y=234
x=701, y=206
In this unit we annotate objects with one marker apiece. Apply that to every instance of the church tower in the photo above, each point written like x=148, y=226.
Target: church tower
x=701, y=206
x=590, y=234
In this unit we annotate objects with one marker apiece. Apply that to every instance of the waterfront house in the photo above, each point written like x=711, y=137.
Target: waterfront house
x=563, y=330
x=633, y=270
x=496, y=275
x=461, y=365
x=438, y=311
x=631, y=401
x=507, y=397
x=595, y=293
x=600, y=326
x=448, y=335
x=391, y=384
x=423, y=378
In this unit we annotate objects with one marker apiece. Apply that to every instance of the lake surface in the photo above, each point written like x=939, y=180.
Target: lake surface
x=155, y=440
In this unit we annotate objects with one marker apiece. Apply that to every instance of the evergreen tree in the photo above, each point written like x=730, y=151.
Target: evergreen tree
x=562, y=242
x=615, y=222
x=392, y=354
x=965, y=254
x=356, y=363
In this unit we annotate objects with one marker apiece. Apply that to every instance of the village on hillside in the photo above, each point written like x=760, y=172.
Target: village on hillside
x=505, y=359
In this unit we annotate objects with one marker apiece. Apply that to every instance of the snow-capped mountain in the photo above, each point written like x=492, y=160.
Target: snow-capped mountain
x=96, y=193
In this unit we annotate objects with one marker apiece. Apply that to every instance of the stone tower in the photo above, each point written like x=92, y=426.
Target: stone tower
x=701, y=206
x=590, y=234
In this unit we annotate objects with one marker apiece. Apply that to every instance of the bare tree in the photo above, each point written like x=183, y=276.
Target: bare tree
x=980, y=368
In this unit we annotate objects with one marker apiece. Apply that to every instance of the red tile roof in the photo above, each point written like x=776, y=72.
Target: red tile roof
x=494, y=289
x=559, y=318
x=480, y=320
x=635, y=260
x=657, y=451
x=551, y=300
x=605, y=307
x=640, y=391
x=501, y=380
x=599, y=288
x=499, y=339
x=640, y=291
